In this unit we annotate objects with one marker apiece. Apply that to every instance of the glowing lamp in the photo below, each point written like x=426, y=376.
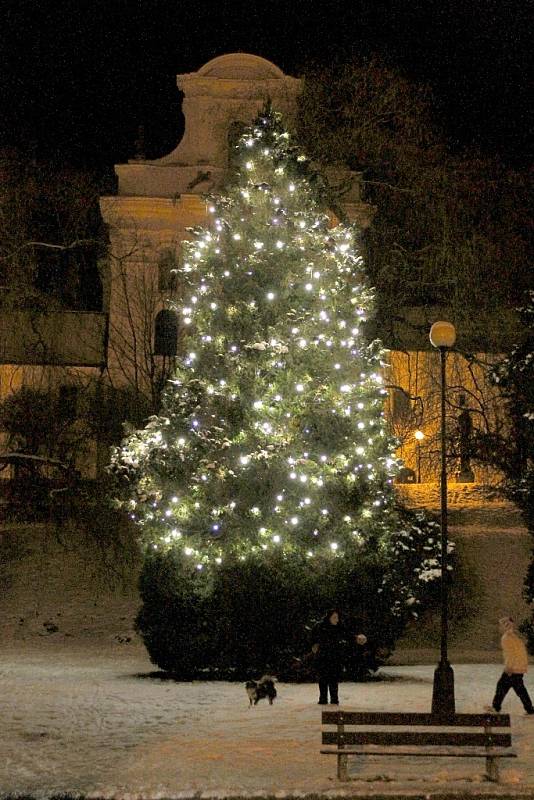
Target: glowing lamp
x=443, y=334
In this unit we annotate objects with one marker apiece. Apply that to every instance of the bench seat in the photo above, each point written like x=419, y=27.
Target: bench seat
x=417, y=735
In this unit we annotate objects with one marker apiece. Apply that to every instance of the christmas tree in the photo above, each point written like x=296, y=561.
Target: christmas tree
x=272, y=441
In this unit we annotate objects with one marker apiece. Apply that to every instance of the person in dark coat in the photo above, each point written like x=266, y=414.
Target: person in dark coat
x=329, y=642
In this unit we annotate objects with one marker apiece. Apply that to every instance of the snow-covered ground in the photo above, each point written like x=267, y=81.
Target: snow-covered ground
x=96, y=721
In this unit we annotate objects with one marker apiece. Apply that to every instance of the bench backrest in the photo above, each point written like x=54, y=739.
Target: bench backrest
x=363, y=727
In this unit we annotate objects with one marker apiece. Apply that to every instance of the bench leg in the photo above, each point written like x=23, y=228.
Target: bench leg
x=492, y=769
x=342, y=773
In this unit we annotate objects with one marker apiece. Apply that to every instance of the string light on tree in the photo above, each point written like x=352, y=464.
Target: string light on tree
x=275, y=413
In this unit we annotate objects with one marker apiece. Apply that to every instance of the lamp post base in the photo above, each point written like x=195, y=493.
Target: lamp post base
x=443, y=690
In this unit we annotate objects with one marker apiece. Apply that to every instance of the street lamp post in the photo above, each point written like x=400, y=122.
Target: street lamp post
x=443, y=337
x=419, y=436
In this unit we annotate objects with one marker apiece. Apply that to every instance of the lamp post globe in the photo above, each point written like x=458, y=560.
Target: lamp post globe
x=443, y=334
x=443, y=337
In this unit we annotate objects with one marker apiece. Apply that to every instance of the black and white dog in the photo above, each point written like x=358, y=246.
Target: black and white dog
x=257, y=690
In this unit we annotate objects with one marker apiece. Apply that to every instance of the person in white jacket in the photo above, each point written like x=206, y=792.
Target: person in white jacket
x=515, y=666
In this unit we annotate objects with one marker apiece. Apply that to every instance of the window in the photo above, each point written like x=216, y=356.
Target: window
x=167, y=264
x=235, y=131
x=401, y=407
x=67, y=401
x=166, y=333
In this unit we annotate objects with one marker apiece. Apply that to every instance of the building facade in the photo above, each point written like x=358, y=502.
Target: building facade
x=133, y=341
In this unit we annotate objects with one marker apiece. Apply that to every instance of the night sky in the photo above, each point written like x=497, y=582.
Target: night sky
x=78, y=77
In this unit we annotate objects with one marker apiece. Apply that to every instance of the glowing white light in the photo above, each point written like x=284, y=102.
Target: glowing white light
x=294, y=520
x=299, y=387
x=258, y=404
x=188, y=551
x=309, y=287
x=276, y=538
x=249, y=165
x=237, y=236
x=334, y=546
x=291, y=187
x=244, y=460
x=279, y=244
x=270, y=295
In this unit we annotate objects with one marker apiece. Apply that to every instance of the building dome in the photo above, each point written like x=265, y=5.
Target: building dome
x=241, y=66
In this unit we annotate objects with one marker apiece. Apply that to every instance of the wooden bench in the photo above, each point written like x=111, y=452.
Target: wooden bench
x=430, y=735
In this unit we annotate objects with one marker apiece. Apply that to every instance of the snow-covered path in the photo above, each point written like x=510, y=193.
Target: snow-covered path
x=99, y=724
